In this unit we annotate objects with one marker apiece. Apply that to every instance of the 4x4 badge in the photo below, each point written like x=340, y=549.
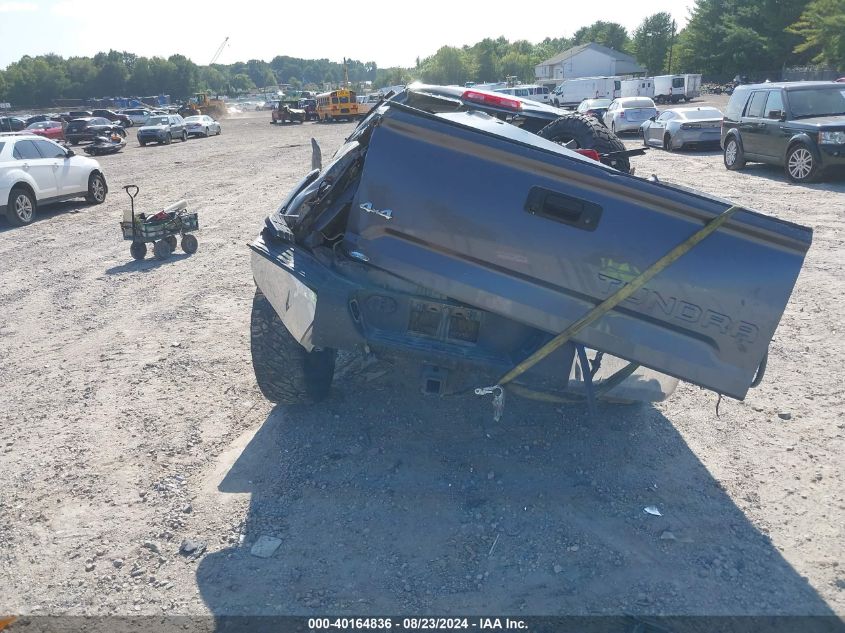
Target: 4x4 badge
x=368, y=207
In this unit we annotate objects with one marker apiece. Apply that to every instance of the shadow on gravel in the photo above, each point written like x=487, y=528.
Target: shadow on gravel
x=47, y=212
x=699, y=150
x=690, y=150
x=148, y=263
x=386, y=501
x=832, y=181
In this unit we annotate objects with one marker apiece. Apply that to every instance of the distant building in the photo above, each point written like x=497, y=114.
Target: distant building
x=586, y=60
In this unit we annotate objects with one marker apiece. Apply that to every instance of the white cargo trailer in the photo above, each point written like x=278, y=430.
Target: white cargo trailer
x=574, y=91
x=674, y=88
x=642, y=87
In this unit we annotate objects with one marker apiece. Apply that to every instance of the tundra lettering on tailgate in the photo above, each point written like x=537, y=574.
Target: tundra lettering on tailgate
x=652, y=302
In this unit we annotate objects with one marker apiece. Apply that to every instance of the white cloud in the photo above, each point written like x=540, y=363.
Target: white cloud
x=17, y=7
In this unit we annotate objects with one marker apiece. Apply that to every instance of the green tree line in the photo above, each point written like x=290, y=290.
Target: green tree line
x=721, y=38
x=40, y=80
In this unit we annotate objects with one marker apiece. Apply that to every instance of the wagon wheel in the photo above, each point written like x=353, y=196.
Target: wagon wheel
x=162, y=249
x=138, y=250
x=189, y=244
x=171, y=242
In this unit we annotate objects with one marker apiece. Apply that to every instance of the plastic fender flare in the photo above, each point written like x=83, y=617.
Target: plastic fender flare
x=806, y=140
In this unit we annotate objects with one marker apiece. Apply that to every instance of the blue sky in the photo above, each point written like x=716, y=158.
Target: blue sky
x=360, y=29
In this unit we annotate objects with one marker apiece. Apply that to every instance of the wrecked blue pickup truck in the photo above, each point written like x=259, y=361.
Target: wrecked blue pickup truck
x=498, y=259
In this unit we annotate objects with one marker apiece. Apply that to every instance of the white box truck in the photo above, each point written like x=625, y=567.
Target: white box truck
x=674, y=88
x=573, y=91
x=642, y=87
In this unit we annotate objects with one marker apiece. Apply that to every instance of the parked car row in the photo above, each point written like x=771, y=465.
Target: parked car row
x=165, y=128
x=125, y=118
x=799, y=126
x=89, y=128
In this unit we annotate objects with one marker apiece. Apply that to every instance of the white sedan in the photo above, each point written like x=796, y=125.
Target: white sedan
x=36, y=171
x=202, y=125
x=626, y=114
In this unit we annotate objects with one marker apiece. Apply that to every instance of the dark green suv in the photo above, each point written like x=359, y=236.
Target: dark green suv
x=799, y=125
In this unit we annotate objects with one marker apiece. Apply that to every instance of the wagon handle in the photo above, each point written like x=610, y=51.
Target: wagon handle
x=132, y=191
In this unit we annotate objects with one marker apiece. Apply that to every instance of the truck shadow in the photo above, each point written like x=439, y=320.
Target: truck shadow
x=386, y=501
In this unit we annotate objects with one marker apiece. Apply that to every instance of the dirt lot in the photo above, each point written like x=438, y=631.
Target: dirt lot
x=131, y=422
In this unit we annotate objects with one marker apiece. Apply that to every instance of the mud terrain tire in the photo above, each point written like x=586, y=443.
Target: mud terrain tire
x=587, y=134
x=286, y=373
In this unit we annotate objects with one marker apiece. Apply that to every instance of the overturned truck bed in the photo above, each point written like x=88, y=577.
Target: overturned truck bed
x=454, y=238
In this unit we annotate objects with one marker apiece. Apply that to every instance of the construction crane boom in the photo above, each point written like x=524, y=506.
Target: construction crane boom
x=219, y=51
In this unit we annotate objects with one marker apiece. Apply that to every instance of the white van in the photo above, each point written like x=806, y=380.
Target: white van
x=534, y=93
x=674, y=88
x=573, y=91
x=367, y=102
x=642, y=87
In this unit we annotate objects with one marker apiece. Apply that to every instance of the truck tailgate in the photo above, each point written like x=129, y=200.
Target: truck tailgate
x=493, y=216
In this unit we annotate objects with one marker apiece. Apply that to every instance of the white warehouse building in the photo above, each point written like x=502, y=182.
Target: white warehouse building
x=586, y=60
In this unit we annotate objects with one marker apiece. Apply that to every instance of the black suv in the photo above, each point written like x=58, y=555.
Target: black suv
x=799, y=125
x=89, y=128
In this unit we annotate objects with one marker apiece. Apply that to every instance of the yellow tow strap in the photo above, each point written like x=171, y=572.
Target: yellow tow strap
x=612, y=301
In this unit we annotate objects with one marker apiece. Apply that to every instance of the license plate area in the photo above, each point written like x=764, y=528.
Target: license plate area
x=443, y=322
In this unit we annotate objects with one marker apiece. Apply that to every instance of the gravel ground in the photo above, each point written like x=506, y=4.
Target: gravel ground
x=132, y=427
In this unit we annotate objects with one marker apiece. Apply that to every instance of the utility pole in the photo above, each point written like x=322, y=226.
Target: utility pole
x=671, y=46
